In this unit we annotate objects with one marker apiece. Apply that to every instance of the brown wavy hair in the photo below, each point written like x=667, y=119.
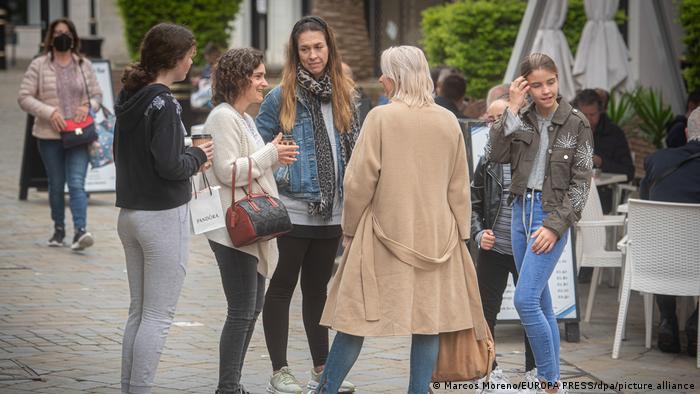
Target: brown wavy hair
x=162, y=47
x=232, y=72
x=343, y=87
x=48, y=38
x=536, y=61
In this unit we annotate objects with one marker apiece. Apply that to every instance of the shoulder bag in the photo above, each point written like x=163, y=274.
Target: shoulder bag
x=79, y=133
x=255, y=217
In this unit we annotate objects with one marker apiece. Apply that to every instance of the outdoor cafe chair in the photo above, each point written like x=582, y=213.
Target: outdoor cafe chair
x=662, y=257
x=591, y=240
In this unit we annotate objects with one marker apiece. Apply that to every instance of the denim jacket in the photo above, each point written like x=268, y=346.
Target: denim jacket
x=300, y=179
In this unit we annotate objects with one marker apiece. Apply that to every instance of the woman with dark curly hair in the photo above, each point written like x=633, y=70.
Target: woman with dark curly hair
x=239, y=81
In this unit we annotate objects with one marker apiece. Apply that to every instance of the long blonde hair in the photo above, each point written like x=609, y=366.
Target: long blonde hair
x=408, y=68
x=343, y=87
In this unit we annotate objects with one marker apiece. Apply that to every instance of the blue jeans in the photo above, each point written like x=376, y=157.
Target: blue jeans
x=532, y=299
x=66, y=165
x=346, y=348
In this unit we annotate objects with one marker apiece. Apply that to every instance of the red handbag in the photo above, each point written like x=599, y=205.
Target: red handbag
x=78, y=133
x=255, y=217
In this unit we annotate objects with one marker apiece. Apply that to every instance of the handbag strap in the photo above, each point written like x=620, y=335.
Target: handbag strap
x=673, y=169
x=87, y=91
x=249, y=191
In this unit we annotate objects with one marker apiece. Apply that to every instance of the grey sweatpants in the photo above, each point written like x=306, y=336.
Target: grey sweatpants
x=156, y=245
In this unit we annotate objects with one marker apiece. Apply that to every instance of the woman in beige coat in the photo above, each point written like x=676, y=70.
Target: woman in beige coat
x=406, y=215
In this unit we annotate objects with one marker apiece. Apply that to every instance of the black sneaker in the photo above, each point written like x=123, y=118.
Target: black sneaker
x=82, y=240
x=57, y=238
x=669, y=341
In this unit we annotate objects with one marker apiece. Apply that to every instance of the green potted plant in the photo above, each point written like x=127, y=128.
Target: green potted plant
x=653, y=115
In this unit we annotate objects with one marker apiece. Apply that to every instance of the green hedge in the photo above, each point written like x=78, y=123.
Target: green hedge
x=690, y=18
x=208, y=19
x=476, y=36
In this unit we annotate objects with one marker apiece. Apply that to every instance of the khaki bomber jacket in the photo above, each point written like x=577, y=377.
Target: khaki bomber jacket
x=569, y=164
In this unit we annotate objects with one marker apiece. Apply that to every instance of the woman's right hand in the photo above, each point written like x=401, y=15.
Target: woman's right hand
x=57, y=122
x=488, y=239
x=286, y=154
x=517, y=93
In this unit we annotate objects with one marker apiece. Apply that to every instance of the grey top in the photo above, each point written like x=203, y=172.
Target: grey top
x=502, y=227
x=514, y=123
x=299, y=210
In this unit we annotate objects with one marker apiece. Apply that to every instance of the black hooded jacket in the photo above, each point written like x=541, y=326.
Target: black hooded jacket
x=153, y=165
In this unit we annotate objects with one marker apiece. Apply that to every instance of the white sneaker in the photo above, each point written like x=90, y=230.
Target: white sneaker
x=498, y=384
x=345, y=387
x=283, y=382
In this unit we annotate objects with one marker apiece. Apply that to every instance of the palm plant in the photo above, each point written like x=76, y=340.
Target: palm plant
x=653, y=115
x=620, y=109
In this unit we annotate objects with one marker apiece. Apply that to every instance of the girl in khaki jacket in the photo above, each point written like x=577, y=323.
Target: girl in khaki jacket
x=60, y=85
x=549, y=146
x=406, y=215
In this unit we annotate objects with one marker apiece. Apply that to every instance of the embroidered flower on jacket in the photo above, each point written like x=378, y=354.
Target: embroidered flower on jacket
x=487, y=150
x=157, y=103
x=567, y=141
x=584, y=156
x=578, y=194
x=526, y=126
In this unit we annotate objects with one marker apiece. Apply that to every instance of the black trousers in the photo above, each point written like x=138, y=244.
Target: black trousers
x=492, y=271
x=244, y=288
x=314, y=258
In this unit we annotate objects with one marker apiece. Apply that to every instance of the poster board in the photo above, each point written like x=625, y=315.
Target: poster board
x=562, y=283
x=102, y=179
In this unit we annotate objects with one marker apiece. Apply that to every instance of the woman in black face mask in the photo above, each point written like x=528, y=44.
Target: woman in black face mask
x=61, y=85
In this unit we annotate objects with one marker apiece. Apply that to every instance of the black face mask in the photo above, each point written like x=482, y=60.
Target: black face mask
x=63, y=43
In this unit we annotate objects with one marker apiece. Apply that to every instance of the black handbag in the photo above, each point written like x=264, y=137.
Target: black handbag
x=255, y=217
x=83, y=133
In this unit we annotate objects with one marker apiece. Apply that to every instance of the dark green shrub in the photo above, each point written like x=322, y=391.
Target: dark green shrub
x=690, y=18
x=208, y=19
x=475, y=36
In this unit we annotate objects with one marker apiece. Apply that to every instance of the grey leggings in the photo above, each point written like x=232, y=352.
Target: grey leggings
x=156, y=247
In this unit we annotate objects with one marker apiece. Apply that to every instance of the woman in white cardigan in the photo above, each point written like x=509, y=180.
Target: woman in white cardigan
x=238, y=81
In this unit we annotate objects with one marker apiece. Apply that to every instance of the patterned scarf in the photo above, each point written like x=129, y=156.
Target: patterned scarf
x=313, y=93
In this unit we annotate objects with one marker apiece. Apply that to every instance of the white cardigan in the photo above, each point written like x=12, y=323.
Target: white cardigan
x=233, y=144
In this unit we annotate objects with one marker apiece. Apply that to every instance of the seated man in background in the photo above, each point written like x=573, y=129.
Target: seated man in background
x=452, y=91
x=673, y=175
x=675, y=132
x=202, y=83
x=611, y=152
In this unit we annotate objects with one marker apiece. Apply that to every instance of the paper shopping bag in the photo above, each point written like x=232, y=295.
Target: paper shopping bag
x=205, y=209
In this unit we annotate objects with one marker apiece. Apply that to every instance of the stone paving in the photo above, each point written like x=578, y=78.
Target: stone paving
x=61, y=313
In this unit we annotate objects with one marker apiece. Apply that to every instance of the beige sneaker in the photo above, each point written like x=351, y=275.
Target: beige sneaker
x=345, y=387
x=283, y=382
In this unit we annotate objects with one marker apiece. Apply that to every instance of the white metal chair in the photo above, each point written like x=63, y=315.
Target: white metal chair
x=662, y=257
x=590, y=243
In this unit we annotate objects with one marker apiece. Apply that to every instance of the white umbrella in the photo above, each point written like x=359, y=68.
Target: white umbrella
x=551, y=41
x=602, y=58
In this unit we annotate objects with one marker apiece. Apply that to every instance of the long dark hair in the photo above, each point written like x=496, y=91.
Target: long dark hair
x=162, y=47
x=343, y=87
x=48, y=38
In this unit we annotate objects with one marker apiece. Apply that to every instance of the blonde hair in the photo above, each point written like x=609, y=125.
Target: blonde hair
x=343, y=87
x=407, y=67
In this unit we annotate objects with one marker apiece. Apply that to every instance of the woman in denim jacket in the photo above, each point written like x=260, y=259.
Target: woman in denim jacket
x=549, y=146
x=315, y=105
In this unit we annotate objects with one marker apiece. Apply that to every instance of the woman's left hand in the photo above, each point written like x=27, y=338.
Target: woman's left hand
x=544, y=240
x=81, y=113
x=346, y=241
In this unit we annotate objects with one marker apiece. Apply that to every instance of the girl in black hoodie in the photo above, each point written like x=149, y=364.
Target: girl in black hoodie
x=153, y=189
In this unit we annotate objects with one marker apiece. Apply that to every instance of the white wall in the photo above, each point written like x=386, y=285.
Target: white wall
x=281, y=17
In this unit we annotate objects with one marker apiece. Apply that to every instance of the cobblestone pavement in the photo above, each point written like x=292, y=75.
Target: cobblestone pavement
x=61, y=313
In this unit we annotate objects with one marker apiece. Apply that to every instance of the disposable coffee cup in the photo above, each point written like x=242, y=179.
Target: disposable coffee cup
x=199, y=139
x=287, y=139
